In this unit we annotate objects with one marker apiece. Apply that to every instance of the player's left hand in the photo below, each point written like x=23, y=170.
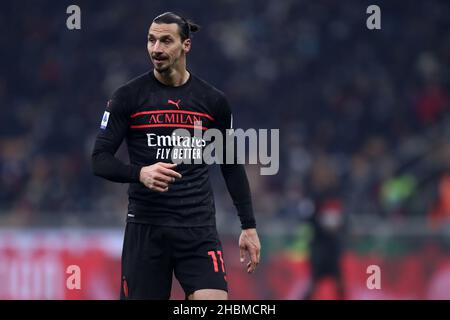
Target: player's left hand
x=249, y=242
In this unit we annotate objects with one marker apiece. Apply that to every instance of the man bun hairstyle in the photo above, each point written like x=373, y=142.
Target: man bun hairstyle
x=186, y=27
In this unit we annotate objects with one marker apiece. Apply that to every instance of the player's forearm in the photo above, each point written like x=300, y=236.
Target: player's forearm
x=239, y=189
x=107, y=166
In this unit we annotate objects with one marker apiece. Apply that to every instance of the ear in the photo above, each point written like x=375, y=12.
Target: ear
x=187, y=45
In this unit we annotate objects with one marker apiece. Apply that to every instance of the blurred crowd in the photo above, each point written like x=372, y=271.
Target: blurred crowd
x=363, y=114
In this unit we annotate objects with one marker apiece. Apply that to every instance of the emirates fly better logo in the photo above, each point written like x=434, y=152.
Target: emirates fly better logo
x=194, y=139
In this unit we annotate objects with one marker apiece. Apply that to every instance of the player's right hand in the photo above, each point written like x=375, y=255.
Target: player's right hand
x=249, y=243
x=158, y=176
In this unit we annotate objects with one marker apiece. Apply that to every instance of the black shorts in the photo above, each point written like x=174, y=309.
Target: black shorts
x=152, y=254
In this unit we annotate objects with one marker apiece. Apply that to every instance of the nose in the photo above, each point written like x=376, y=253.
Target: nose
x=157, y=47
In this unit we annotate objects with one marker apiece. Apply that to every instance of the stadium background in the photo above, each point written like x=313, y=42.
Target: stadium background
x=363, y=113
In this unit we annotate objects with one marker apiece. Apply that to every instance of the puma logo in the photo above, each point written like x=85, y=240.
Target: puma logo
x=176, y=103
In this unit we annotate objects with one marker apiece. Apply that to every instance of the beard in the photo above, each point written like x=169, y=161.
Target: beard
x=162, y=69
x=165, y=65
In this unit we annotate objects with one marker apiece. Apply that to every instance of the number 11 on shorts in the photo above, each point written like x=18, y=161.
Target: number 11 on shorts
x=213, y=255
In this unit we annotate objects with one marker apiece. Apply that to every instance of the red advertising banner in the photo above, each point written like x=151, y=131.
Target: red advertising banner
x=85, y=264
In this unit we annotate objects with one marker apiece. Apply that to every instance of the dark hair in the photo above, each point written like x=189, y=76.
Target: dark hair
x=186, y=27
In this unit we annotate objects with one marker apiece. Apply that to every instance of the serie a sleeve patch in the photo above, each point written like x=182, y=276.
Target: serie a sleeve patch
x=104, y=120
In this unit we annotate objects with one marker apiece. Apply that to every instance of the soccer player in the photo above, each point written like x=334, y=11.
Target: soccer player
x=171, y=224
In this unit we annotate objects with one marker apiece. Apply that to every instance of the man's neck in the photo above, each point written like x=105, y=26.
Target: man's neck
x=172, y=77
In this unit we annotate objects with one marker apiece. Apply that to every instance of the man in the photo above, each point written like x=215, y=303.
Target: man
x=328, y=226
x=171, y=214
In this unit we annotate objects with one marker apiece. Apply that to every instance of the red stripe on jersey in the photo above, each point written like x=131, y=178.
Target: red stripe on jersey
x=140, y=126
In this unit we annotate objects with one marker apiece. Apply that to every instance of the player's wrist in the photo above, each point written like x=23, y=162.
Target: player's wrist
x=248, y=224
x=140, y=173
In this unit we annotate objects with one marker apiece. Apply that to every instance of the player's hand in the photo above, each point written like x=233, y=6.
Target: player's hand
x=249, y=242
x=158, y=176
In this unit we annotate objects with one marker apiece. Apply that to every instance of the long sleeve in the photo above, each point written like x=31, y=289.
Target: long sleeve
x=239, y=189
x=234, y=174
x=113, y=129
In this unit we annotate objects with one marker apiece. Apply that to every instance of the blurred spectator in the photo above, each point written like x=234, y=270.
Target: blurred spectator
x=328, y=229
x=440, y=212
